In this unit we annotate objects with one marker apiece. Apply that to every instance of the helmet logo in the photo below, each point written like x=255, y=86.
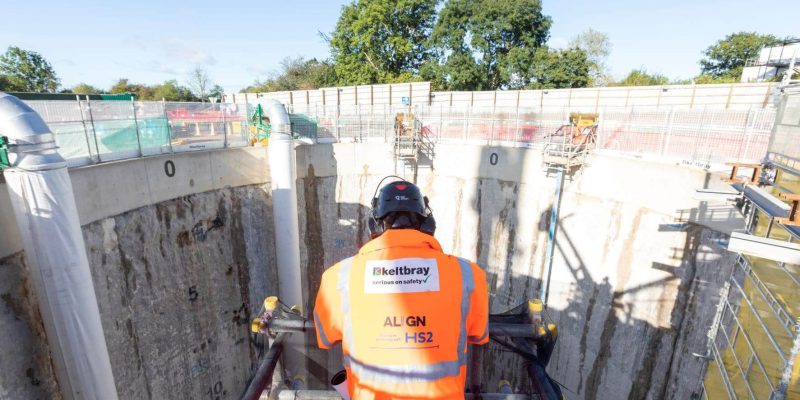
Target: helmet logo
x=400, y=198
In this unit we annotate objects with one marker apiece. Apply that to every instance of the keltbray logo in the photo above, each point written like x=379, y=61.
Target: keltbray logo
x=401, y=271
x=405, y=275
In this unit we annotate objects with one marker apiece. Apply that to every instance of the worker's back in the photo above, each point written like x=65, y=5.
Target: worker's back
x=405, y=312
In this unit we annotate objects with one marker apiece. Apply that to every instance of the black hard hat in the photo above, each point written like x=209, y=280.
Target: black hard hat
x=399, y=196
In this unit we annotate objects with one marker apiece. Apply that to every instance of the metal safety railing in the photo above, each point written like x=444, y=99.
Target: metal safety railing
x=696, y=137
x=89, y=132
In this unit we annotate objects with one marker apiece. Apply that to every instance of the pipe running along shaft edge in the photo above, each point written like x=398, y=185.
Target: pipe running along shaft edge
x=47, y=217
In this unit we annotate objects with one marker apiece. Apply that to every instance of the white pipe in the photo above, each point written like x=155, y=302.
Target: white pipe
x=44, y=206
x=287, y=233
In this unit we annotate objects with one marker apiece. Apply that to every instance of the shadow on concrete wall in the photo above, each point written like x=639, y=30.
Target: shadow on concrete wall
x=330, y=232
x=606, y=350
x=619, y=355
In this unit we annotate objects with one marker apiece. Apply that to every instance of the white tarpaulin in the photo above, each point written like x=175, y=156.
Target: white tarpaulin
x=56, y=256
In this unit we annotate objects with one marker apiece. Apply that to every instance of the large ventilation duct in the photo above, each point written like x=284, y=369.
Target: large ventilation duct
x=44, y=206
x=287, y=233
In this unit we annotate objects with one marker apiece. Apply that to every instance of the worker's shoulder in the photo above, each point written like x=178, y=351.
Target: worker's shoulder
x=475, y=267
x=336, y=268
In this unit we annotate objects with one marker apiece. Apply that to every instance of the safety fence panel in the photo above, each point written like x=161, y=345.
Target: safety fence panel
x=786, y=138
x=88, y=132
x=96, y=131
x=693, y=137
x=153, y=128
x=69, y=127
x=196, y=126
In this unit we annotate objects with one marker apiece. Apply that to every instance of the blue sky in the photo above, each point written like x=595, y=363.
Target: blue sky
x=147, y=41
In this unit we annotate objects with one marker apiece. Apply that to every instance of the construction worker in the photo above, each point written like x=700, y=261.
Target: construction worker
x=403, y=309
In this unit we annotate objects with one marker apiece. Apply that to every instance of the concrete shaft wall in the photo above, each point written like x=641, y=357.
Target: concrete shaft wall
x=637, y=266
x=180, y=247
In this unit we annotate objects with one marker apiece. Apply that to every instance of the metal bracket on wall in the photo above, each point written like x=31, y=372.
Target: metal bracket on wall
x=793, y=219
x=735, y=170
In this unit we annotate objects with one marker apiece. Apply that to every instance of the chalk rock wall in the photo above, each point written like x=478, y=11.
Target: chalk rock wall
x=26, y=369
x=175, y=283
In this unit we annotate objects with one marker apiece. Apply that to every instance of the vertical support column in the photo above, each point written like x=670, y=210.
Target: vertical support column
x=85, y=129
x=169, y=129
x=748, y=133
x=469, y=122
x=338, y=111
x=494, y=117
x=551, y=237
x=44, y=207
x=668, y=132
x=222, y=110
x=516, y=125
x=441, y=122
x=136, y=124
x=94, y=131
x=287, y=232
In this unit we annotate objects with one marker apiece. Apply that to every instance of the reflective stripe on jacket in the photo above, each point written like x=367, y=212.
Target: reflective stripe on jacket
x=404, y=312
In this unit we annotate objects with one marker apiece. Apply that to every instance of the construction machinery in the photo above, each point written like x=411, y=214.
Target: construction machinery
x=259, y=127
x=525, y=330
x=568, y=146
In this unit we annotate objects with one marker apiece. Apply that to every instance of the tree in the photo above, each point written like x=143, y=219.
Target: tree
x=727, y=57
x=5, y=84
x=83, y=88
x=27, y=71
x=141, y=92
x=553, y=69
x=216, y=91
x=482, y=43
x=169, y=91
x=199, y=82
x=297, y=74
x=640, y=77
x=597, y=47
x=382, y=41
x=704, y=79
x=172, y=91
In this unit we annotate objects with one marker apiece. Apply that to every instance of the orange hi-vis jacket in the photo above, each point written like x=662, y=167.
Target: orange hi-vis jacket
x=405, y=312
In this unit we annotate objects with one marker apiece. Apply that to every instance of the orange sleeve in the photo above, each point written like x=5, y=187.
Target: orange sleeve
x=478, y=317
x=328, y=310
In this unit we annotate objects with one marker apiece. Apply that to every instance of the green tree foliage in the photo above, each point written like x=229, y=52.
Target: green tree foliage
x=217, y=91
x=382, y=41
x=26, y=71
x=297, y=74
x=169, y=91
x=555, y=69
x=83, y=88
x=726, y=58
x=172, y=91
x=597, y=47
x=704, y=79
x=640, y=77
x=490, y=44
